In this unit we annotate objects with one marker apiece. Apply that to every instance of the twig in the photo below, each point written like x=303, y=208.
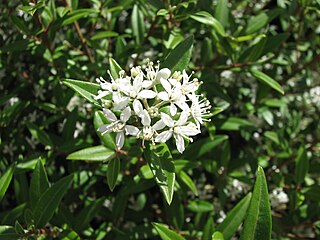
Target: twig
x=82, y=39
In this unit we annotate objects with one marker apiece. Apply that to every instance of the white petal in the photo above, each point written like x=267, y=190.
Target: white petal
x=145, y=118
x=164, y=136
x=183, y=118
x=189, y=130
x=147, y=84
x=106, y=86
x=173, y=109
x=166, y=85
x=109, y=115
x=167, y=120
x=137, y=107
x=107, y=128
x=183, y=105
x=163, y=96
x=101, y=94
x=185, y=77
x=148, y=94
x=125, y=115
x=121, y=104
x=159, y=125
x=179, y=142
x=163, y=73
x=137, y=82
x=132, y=130
x=120, y=140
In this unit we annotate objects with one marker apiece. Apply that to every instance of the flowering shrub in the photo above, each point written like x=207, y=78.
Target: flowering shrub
x=140, y=153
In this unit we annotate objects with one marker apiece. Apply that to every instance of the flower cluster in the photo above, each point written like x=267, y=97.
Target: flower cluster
x=153, y=105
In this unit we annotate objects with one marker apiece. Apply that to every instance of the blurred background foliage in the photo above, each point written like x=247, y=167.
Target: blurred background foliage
x=241, y=50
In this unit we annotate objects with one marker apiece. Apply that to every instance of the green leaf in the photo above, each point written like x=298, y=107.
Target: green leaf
x=20, y=24
x=38, y=185
x=222, y=12
x=113, y=172
x=138, y=25
x=87, y=90
x=178, y=59
x=266, y=80
x=165, y=233
x=114, y=68
x=217, y=236
x=50, y=200
x=70, y=125
x=5, y=181
x=188, y=181
x=207, y=19
x=254, y=52
x=259, y=21
x=302, y=165
x=104, y=34
x=77, y=14
x=257, y=224
x=200, y=206
x=18, y=228
x=39, y=134
x=160, y=161
x=8, y=233
x=273, y=136
x=96, y=153
x=107, y=139
x=234, y=218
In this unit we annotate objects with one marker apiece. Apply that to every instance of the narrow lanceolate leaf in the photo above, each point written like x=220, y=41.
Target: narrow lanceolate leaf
x=99, y=120
x=5, y=181
x=104, y=34
x=114, y=68
x=8, y=233
x=207, y=19
x=97, y=153
x=113, y=172
x=179, y=58
x=138, y=25
x=302, y=165
x=87, y=90
x=188, y=181
x=266, y=80
x=257, y=224
x=165, y=233
x=160, y=161
x=50, y=200
x=235, y=217
x=39, y=184
x=222, y=12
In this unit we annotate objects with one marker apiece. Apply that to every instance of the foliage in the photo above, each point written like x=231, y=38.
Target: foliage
x=259, y=63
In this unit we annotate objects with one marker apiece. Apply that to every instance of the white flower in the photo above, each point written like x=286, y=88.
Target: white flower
x=174, y=96
x=200, y=109
x=135, y=90
x=178, y=129
x=119, y=126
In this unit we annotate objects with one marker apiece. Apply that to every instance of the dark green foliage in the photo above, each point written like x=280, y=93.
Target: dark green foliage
x=259, y=64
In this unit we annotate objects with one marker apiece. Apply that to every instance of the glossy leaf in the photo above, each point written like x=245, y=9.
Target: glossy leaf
x=165, y=233
x=8, y=233
x=87, y=90
x=50, y=200
x=5, y=181
x=217, y=236
x=138, y=26
x=200, y=206
x=114, y=68
x=104, y=34
x=113, y=172
x=160, y=161
x=302, y=165
x=258, y=224
x=207, y=19
x=188, y=181
x=97, y=153
x=38, y=185
x=39, y=134
x=178, y=59
x=234, y=218
x=266, y=80
x=222, y=12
